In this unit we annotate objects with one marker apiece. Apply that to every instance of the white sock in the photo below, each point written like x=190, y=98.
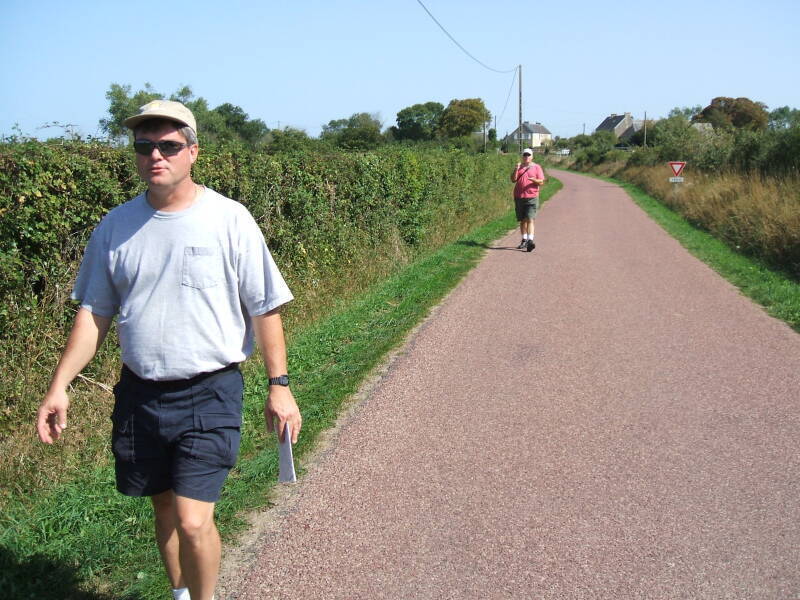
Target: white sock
x=524, y=236
x=181, y=594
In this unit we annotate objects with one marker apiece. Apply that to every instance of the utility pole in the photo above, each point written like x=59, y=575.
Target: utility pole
x=519, y=135
x=645, y=129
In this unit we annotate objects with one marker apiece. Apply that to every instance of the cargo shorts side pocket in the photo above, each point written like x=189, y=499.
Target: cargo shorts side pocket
x=218, y=440
x=122, y=440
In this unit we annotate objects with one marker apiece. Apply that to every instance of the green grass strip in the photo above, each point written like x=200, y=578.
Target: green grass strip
x=84, y=541
x=776, y=292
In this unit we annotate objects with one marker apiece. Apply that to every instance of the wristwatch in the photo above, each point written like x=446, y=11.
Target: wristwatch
x=280, y=380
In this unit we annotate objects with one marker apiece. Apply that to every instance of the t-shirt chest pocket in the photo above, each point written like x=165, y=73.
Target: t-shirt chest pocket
x=202, y=267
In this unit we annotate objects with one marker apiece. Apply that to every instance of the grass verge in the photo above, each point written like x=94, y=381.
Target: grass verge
x=83, y=541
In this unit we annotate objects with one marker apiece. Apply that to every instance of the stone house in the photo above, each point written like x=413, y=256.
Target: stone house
x=622, y=126
x=534, y=135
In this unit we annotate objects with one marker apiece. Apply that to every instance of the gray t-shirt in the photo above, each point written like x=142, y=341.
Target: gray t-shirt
x=183, y=284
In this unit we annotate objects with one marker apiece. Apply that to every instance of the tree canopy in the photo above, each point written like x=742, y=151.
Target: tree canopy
x=688, y=112
x=418, y=122
x=463, y=117
x=226, y=122
x=739, y=113
x=784, y=118
x=362, y=131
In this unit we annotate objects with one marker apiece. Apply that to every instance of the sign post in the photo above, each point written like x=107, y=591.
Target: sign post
x=677, y=168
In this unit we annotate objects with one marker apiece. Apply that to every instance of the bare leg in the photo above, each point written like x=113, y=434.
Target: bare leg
x=200, y=547
x=526, y=226
x=167, y=536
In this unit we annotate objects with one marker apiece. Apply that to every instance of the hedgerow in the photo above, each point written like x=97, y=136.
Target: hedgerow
x=334, y=221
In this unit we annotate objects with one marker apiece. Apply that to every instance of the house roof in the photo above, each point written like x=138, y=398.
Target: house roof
x=610, y=123
x=534, y=128
x=528, y=128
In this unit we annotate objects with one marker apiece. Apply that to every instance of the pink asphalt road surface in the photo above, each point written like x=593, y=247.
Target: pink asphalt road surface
x=604, y=417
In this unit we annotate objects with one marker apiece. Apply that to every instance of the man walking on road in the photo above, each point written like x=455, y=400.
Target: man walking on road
x=527, y=177
x=190, y=278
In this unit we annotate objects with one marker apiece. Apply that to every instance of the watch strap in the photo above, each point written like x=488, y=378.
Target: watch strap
x=279, y=380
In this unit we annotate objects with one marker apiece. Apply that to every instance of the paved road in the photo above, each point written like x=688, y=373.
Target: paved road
x=602, y=418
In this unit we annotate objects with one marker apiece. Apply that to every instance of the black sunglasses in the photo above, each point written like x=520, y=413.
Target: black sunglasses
x=166, y=147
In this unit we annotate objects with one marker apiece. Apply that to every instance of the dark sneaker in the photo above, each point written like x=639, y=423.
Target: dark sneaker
x=522, y=244
x=531, y=245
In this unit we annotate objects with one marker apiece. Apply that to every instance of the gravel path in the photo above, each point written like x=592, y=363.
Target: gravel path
x=602, y=418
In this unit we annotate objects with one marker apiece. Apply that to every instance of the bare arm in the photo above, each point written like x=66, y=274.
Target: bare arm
x=514, y=173
x=280, y=405
x=88, y=333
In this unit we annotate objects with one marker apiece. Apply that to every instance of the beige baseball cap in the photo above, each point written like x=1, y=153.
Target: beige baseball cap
x=165, y=109
x=528, y=151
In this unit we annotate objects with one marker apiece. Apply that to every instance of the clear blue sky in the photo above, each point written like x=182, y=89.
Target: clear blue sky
x=303, y=64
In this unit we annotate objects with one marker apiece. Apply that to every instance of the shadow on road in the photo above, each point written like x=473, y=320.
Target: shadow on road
x=477, y=245
x=43, y=578
x=512, y=248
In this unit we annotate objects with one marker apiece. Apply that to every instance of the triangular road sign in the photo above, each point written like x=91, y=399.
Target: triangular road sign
x=677, y=167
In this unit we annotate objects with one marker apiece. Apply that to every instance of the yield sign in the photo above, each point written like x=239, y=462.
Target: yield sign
x=677, y=167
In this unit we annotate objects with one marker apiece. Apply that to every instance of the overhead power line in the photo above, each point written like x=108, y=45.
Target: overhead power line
x=464, y=50
x=510, y=89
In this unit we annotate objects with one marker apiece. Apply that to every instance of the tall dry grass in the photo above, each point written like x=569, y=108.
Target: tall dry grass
x=756, y=215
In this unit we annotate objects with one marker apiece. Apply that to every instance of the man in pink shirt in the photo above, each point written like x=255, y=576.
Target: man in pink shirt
x=527, y=177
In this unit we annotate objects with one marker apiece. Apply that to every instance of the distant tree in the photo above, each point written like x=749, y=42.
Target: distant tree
x=463, y=117
x=362, y=131
x=334, y=128
x=122, y=105
x=226, y=122
x=287, y=139
x=675, y=137
x=739, y=113
x=492, y=135
x=603, y=140
x=581, y=141
x=238, y=124
x=418, y=122
x=637, y=138
x=784, y=118
x=688, y=112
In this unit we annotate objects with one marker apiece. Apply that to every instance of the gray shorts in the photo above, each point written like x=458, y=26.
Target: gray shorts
x=526, y=208
x=180, y=435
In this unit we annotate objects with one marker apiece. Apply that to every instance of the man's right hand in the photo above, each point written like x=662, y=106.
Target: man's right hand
x=51, y=419
x=519, y=165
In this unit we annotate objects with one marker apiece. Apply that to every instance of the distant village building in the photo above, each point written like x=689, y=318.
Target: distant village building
x=622, y=126
x=533, y=135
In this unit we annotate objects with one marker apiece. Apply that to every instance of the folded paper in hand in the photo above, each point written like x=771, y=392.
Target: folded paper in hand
x=285, y=459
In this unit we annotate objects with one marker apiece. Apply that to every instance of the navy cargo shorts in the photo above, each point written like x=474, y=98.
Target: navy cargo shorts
x=181, y=435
